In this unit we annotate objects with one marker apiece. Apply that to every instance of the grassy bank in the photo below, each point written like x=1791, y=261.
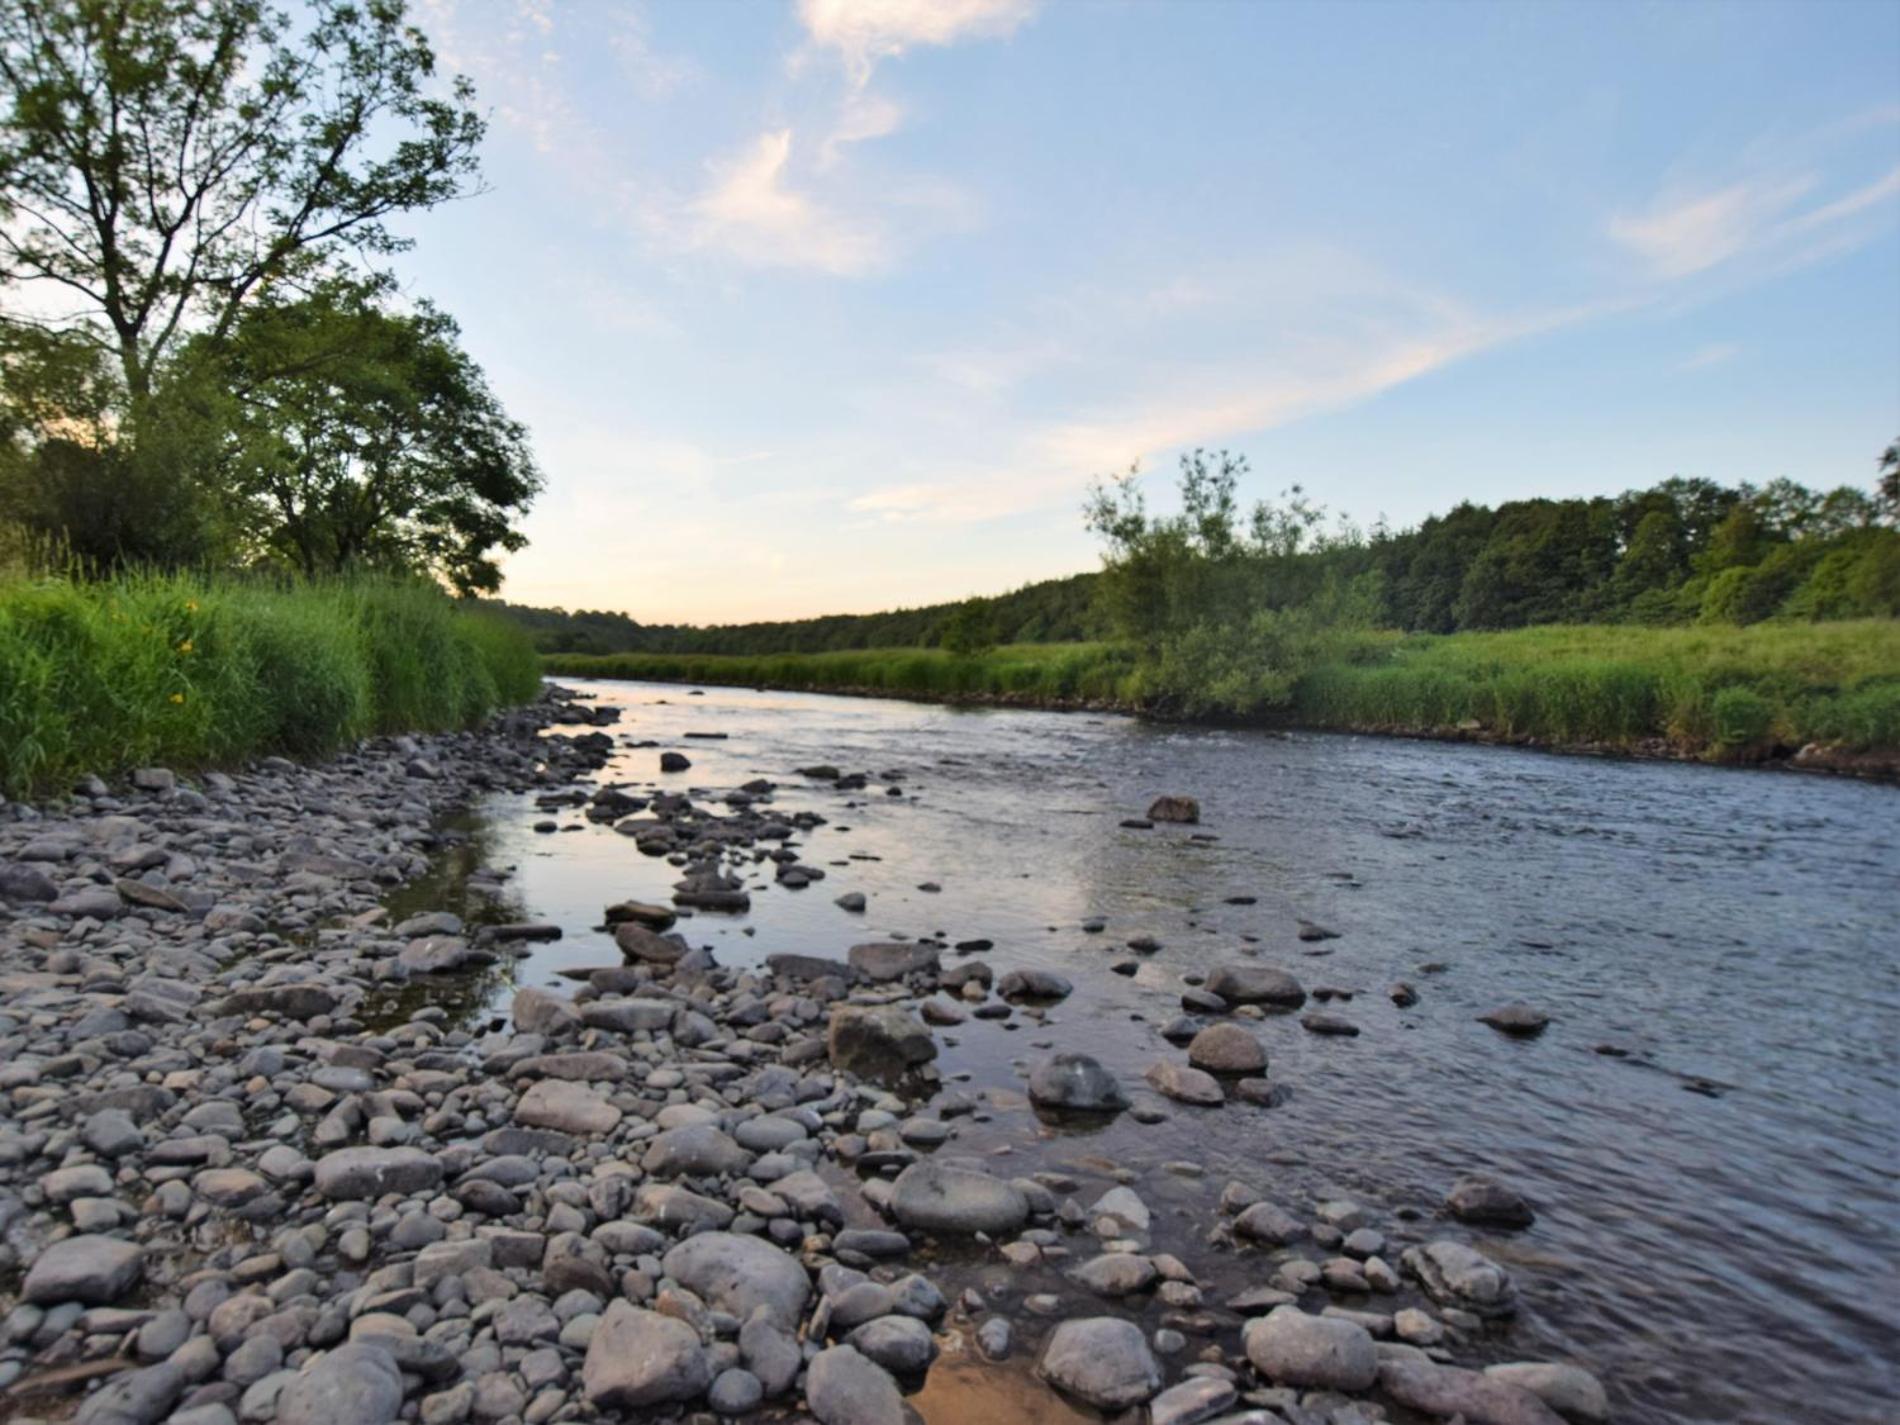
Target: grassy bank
x=1718, y=691
x=185, y=671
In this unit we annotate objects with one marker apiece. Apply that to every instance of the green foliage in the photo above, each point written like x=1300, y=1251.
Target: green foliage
x=359, y=437
x=1741, y=716
x=189, y=671
x=164, y=162
x=971, y=630
x=1563, y=684
x=1053, y=611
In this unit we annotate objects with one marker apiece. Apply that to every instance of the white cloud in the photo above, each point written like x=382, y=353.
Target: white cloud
x=654, y=76
x=1681, y=236
x=753, y=212
x=864, y=32
x=861, y=117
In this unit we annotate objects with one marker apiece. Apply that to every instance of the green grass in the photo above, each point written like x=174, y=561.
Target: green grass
x=188, y=671
x=1715, y=691
x=1042, y=673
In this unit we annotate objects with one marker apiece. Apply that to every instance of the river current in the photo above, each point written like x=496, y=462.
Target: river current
x=1709, y=1129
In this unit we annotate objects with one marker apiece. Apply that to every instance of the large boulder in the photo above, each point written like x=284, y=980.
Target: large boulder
x=878, y=1041
x=1256, y=984
x=358, y=1382
x=640, y=1358
x=934, y=1197
x=363, y=1174
x=1103, y=1361
x=741, y=1275
x=1075, y=1083
x=1314, y=1352
x=91, y=1269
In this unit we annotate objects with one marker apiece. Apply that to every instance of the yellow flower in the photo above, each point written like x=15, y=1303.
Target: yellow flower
x=185, y=647
x=191, y=606
x=178, y=697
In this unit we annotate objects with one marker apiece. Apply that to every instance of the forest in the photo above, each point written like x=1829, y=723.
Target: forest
x=1683, y=551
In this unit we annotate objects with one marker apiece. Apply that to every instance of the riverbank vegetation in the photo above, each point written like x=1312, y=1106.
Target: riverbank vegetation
x=184, y=671
x=1726, y=693
x=238, y=466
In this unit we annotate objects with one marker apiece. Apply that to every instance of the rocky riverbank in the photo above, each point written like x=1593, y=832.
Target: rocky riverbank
x=248, y=1173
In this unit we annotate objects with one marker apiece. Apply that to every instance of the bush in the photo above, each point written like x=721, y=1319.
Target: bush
x=1742, y=717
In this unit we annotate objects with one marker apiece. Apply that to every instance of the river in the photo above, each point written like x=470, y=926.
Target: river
x=1709, y=1129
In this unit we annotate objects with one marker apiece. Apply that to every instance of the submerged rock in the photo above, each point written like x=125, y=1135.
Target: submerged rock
x=1453, y=1274
x=1483, y=1200
x=1075, y=1083
x=1178, y=809
x=1516, y=1019
x=1256, y=984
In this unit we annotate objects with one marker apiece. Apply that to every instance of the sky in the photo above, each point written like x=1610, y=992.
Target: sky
x=839, y=305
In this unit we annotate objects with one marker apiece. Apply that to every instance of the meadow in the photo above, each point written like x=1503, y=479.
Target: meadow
x=190, y=671
x=1719, y=691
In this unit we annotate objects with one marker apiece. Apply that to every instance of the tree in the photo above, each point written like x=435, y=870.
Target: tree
x=356, y=435
x=1890, y=481
x=970, y=630
x=163, y=163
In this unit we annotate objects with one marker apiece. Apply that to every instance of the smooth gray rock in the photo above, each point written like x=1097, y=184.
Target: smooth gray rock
x=639, y=1358
x=1571, y=1391
x=741, y=1275
x=844, y=1388
x=902, y=1345
x=1481, y=1199
x=1320, y=1352
x=93, y=1269
x=360, y=1174
x=892, y=960
x=934, y=1197
x=1184, y=1084
x=1075, y=1083
x=1101, y=1360
x=693, y=1150
x=1256, y=984
x=135, y=1398
x=358, y=1382
x=1446, y=1390
x=877, y=1041
x=1227, y=1049
x=1454, y=1274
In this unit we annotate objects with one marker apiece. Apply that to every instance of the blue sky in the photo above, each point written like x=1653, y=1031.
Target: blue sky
x=837, y=305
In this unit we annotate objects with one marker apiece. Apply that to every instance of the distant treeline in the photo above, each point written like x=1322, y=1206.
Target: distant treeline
x=1683, y=551
x=1053, y=611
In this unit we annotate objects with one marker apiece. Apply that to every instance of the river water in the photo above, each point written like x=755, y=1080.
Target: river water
x=1718, y=1221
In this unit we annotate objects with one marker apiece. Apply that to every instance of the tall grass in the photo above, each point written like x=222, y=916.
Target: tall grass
x=191, y=671
x=1046, y=673
x=1710, y=690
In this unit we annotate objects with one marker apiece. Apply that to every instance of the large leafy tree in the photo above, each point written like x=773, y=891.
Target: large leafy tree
x=357, y=435
x=163, y=163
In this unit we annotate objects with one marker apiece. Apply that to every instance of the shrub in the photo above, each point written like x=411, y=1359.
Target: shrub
x=1741, y=717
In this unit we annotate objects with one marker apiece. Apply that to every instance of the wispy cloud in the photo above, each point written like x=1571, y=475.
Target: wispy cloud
x=863, y=32
x=1682, y=235
x=753, y=211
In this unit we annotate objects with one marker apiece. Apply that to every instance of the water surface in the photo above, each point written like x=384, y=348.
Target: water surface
x=1717, y=1214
